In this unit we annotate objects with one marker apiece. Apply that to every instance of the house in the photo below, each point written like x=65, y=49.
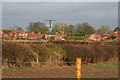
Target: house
x=6, y=36
x=1, y=33
x=106, y=36
x=16, y=35
x=22, y=35
x=13, y=35
x=57, y=36
x=117, y=38
x=117, y=34
x=32, y=35
x=87, y=35
x=41, y=36
x=48, y=35
x=95, y=37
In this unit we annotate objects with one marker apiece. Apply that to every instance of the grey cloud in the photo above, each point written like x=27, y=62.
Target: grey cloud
x=103, y=13
x=0, y=15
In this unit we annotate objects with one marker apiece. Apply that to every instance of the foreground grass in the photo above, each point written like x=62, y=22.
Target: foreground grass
x=92, y=65
x=27, y=40
x=102, y=65
x=15, y=68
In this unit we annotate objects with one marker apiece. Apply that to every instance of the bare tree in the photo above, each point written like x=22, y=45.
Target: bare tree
x=104, y=29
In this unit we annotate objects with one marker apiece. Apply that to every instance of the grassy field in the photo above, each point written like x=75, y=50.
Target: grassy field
x=75, y=37
x=88, y=71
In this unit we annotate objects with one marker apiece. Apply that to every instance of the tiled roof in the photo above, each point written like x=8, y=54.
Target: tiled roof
x=1, y=32
x=117, y=38
x=117, y=34
x=95, y=36
x=32, y=35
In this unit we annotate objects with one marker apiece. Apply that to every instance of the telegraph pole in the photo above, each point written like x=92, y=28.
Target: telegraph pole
x=50, y=21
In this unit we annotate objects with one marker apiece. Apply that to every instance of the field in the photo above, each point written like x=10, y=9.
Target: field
x=52, y=60
x=103, y=71
x=75, y=37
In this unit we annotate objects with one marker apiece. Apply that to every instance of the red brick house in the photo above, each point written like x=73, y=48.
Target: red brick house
x=33, y=35
x=48, y=35
x=16, y=35
x=117, y=39
x=1, y=33
x=106, y=36
x=13, y=35
x=95, y=37
x=23, y=35
x=41, y=36
x=118, y=35
x=87, y=35
x=57, y=36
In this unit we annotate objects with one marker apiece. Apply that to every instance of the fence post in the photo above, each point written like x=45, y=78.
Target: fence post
x=78, y=68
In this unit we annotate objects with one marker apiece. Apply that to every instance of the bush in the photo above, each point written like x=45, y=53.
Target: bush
x=16, y=53
x=52, y=38
x=112, y=37
x=23, y=54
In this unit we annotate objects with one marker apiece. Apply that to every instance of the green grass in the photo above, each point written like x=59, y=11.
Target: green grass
x=15, y=68
x=75, y=37
x=93, y=65
x=102, y=65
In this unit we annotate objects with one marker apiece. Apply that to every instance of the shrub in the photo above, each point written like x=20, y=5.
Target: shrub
x=23, y=54
x=52, y=38
x=112, y=37
x=16, y=53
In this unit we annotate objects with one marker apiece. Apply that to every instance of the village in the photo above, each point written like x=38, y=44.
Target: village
x=23, y=35
x=59, y=40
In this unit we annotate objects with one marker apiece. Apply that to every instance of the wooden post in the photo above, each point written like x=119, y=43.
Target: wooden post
x=78, y=68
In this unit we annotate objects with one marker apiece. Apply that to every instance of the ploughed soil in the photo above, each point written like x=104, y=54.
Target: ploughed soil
x=63, y=72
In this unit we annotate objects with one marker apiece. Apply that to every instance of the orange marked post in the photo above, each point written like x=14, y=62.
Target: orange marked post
x=78, y=68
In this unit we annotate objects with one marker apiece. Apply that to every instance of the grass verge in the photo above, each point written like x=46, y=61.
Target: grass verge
x=93, y=65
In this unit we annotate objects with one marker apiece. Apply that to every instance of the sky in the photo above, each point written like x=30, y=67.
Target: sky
x=60, y=0
x=94, y=13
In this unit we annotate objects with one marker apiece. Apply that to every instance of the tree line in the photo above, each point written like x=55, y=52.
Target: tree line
x=80, y=29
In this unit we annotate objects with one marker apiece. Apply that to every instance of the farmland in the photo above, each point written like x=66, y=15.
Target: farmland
x=52, y=60
x=62, y=72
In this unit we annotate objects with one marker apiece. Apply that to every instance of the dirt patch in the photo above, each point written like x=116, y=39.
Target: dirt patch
x=63, y=72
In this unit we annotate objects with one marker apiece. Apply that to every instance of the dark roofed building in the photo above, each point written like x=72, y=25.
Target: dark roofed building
x=51, y=33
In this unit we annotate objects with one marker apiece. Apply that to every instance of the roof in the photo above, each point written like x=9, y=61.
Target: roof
x=95, y=36
x=117, y=38
x=1, y=32
x=32, y=35
x=117, y=34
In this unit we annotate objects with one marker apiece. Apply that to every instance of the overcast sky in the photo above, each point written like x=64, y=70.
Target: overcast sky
x=94, y=13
